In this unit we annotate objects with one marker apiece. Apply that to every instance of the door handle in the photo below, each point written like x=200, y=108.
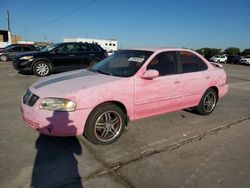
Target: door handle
x=177, y=82
x=207, y=77
x=71, y=55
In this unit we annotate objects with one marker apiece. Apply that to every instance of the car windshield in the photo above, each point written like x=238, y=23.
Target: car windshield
x=124, y=63
x=50, y=47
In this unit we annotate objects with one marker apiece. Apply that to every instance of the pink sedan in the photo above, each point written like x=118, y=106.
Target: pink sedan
x=131, y=84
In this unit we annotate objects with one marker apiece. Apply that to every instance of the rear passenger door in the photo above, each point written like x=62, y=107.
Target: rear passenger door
x=194, y=78
x=83, y=50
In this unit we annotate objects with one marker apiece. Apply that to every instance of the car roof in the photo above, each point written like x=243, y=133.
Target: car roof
x=160, y=49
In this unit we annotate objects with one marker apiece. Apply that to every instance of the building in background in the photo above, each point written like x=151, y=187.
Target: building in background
x=110, y=45
x=7, y=38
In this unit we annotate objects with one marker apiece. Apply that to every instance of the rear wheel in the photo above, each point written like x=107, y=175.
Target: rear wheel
x=105, y=124
x=207, y=103
x=3, y=58
x=42, y=68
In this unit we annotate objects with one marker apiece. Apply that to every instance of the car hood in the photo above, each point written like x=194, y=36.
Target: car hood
x=31, y=53
x=70, y=83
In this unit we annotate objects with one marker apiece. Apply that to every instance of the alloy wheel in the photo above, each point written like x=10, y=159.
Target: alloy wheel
x=209, y=102
x=3, y=58
x=42, y=69
x=108, y=126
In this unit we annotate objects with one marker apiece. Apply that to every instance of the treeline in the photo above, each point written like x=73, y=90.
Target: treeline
x=209, y=52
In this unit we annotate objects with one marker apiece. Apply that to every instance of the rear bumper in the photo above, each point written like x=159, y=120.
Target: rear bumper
x=223, y=89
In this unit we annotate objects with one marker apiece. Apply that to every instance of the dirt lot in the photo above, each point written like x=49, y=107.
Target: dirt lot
x=179, y=149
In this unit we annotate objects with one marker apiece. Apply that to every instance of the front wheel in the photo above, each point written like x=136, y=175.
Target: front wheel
x=3, y=58
x=207, y=103
x=41, y=68
x=105, y=124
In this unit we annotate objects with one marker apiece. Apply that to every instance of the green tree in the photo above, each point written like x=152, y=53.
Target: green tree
x=246, y=52
x=232, y=51
x=209, y=52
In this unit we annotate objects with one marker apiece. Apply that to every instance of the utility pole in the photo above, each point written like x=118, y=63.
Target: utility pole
x=8, y=18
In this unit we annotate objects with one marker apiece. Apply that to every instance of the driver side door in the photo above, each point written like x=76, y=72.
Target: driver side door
x=161, y=94
x=66, y=57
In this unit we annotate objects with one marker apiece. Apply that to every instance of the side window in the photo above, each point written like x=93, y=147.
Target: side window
x=16, y=49
x=66, y=48
x=189, y=62
x=26, y=48
x=82, y=48
x=165, y=63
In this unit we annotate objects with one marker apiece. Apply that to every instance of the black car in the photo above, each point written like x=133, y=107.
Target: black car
x=10, y=51
x=60, y=57
x=234, y=59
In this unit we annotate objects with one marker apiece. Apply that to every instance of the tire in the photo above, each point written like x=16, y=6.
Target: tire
x=218, y=61
x=3, y=58
x=42, y=68
x=207, y=103
x=105, y=124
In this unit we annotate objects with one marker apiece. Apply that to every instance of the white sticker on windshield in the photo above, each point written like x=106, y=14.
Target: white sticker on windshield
x=136, y=59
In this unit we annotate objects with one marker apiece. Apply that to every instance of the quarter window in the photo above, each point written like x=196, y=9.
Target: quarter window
x=189, y=62
x=95, y=48
x=165, y=63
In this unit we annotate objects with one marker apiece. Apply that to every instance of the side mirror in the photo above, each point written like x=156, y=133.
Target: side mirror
x=55, y=51
x=150, y=74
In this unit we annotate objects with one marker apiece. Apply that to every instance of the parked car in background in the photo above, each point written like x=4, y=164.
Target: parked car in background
x=245, y=60
x=10, y=51
x=234, y=59
x=21, y=44
x=60, y=57
x=128, y=85
x=219, y=59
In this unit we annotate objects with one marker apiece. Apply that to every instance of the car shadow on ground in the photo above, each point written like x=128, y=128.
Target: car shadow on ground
x=25, y=73
x=55, y=164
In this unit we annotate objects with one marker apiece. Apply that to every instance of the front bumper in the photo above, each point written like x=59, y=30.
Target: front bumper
x=21, y=65
x=54, y=123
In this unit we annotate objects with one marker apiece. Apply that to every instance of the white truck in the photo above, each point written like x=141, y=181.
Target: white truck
x=5, y=38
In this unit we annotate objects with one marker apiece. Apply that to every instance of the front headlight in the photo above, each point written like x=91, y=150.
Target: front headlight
x=58, y=104
x=26, y=57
